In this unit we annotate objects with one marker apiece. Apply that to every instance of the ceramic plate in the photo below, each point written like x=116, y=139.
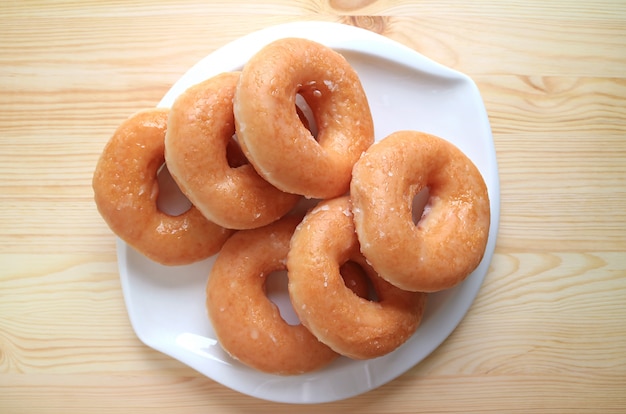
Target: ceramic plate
x=406, y=91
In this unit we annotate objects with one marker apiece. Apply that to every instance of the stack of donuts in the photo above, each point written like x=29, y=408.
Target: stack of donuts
x=360, y=262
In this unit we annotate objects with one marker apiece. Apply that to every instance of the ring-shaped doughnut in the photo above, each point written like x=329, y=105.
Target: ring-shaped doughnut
x=200, y=128
x=247, y=324
x=126, y=190
x=449, y=240
x=353, y=326
x=281, y=149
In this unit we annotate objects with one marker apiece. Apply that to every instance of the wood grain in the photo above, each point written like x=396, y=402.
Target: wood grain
x=551, y=394
x=547, y=332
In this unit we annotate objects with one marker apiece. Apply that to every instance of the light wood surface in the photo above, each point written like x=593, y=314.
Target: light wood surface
x=547, y=332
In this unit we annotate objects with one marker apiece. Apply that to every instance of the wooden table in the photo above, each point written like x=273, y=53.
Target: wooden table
x=547, y=332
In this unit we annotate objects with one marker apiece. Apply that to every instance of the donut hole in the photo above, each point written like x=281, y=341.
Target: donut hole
x=357, y=280
x=170, y=200
x=234, y=154
x=276, y=291
x=307, y=113
x=419, y=207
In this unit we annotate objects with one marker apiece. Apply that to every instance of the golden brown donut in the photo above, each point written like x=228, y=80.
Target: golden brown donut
x=449, y=240
x=126, y=190
x=247, y=324
x=234, y=154
x=200, y=127
x=351, y=325
x=275, y=141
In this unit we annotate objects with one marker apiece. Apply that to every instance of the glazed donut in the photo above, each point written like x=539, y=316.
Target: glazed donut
x=236, y=157
x=126, y=190
x=200, y=128
x=450, y=238
x=247, y=324
x=281, y=149
x=352, y=326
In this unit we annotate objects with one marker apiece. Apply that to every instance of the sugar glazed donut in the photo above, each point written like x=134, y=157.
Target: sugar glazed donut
x=247, y=324
x=200, y=129
x=279, y=146
x=449, y=240
x=353, y=326
x=126, y=190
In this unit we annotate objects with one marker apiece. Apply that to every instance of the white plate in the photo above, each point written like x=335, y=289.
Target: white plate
x=405, y=91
